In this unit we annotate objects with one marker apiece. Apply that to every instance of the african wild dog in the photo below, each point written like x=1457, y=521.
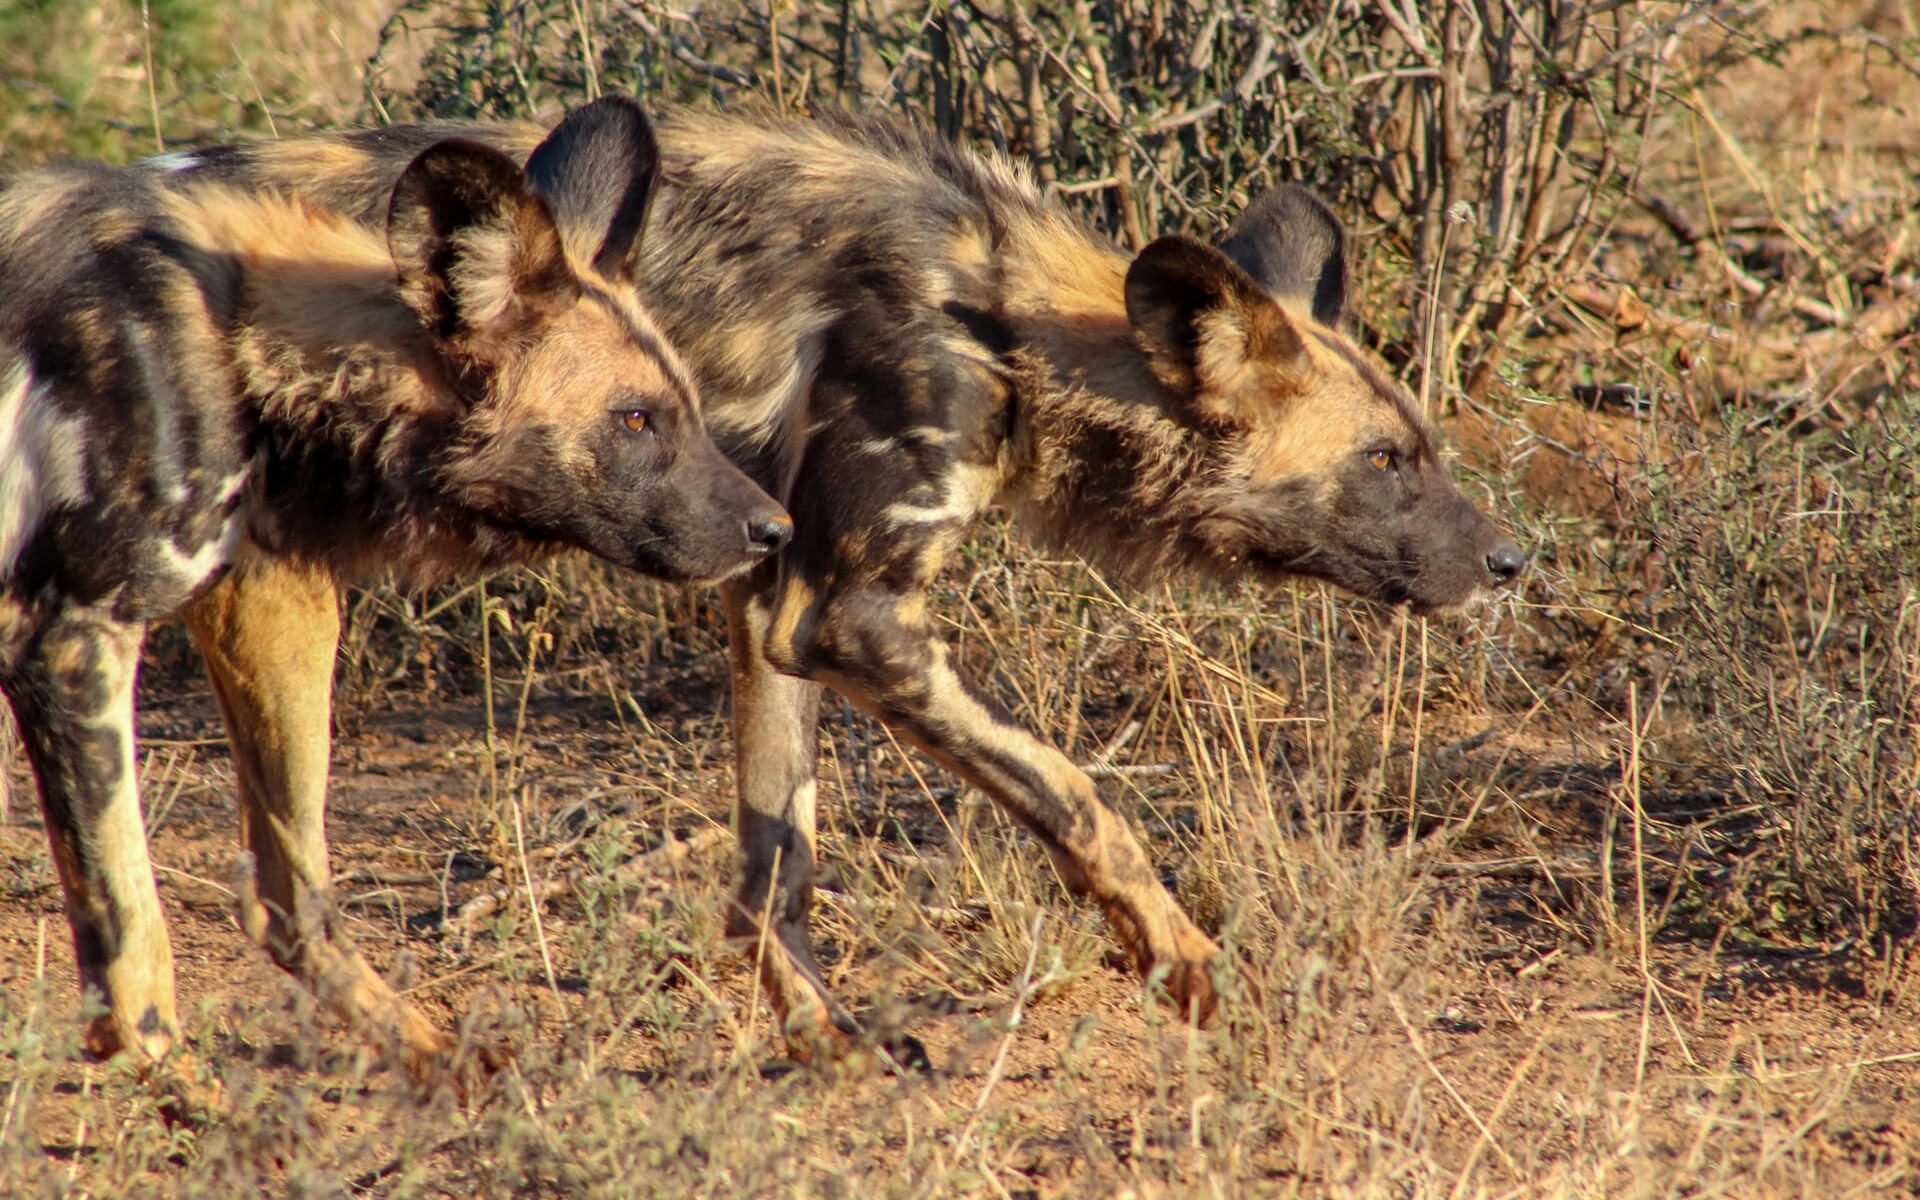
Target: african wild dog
x=204, y=379
x=892, y=335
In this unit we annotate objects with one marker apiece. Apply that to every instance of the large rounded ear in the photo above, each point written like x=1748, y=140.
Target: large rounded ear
x=596, y=171
x=476, y=249
x=1205, y=324
x=1293, y=246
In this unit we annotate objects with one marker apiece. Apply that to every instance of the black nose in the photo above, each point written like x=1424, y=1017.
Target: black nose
x=1506, y=562
x=765, y=535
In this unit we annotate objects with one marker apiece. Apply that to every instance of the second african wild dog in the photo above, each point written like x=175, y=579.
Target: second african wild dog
x=892, y=335
x=206, y=379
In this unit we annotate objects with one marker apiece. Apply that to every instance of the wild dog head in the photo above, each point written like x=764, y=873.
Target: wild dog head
x=580, y=424
x=1314, y=462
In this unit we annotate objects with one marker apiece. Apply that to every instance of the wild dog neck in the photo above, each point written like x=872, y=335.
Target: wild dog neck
x=355, y=414
x=1099, y=457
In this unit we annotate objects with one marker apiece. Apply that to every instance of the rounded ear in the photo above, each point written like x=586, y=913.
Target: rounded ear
x=473, y=244
x=1202, y=320
x=596, y=171
x=1293, y=246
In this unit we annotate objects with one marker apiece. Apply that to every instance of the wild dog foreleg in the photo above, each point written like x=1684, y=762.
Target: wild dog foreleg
x=878, y=649
x=268, y=633
x=72, y=693
x=775, y=717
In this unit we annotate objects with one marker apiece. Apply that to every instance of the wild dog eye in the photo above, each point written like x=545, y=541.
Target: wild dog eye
x=635, y=419
x=1380, y=459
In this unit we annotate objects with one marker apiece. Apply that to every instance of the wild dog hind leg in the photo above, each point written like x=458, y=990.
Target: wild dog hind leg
x=71, y=683
x=268, y=633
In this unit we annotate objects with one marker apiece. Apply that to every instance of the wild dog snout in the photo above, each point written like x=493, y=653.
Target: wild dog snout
x=768, y=532
x=1505, y=563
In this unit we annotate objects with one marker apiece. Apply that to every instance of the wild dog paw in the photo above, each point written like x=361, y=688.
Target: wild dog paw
x=1190, y=987
x=186, y=1094
x=845, y=1046
x=813, y=1037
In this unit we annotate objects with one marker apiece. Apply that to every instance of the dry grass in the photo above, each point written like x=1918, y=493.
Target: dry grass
x=1605, y=889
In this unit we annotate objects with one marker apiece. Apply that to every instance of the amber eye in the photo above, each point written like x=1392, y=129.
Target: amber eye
x=1380, y=460
x=635, y=419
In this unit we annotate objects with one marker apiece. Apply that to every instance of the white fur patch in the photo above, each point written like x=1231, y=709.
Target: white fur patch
x=933, y=435
x=232, y=485
x=172, y=162
x=800, y=809
x=759, y=420
x=42, y=461
x=969, y=489
x=188, y=569
x=904, y=513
